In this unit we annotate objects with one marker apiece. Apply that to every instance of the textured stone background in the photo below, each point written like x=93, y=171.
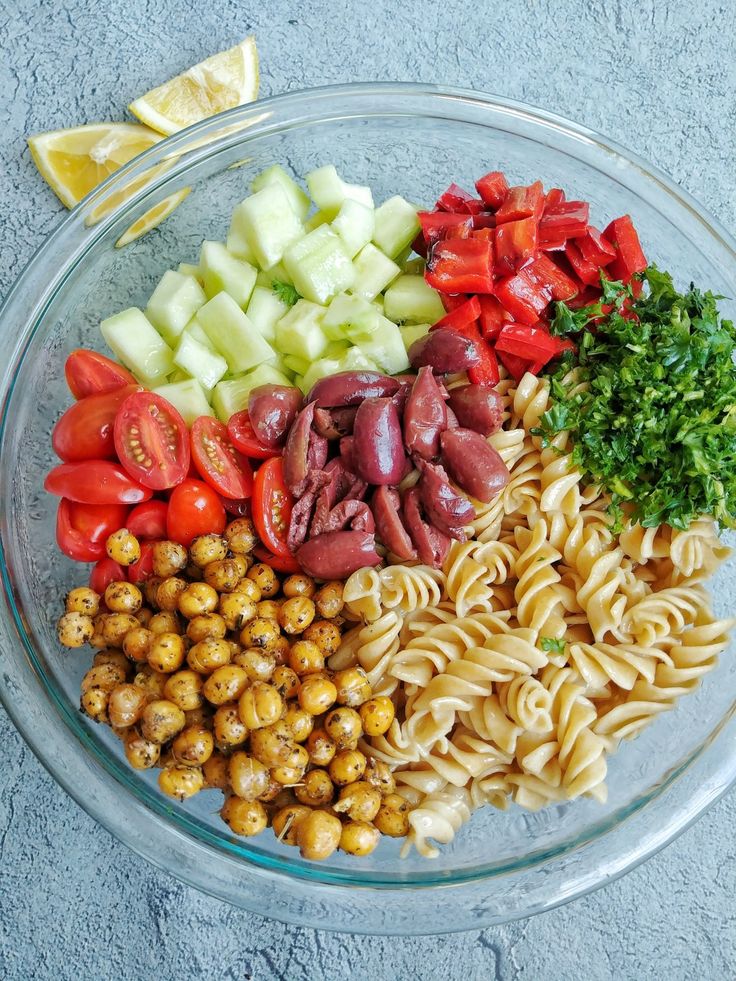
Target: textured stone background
x=659, y=76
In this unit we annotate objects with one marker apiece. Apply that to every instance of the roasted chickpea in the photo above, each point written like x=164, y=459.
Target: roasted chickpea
x=359, y=838
x=244, y=817
x=83, y=600
x=143, y=616
x=298, y=585
x=151, y=682
x=260, y=705
x=260, y=632
x=75, y=629
x=347, y=767
x=208, y=625
x=296, y=614
x=300, y=722
x=125, y=705
x=236, y=609
x=141, y=753
x=180, y=781
x=377, y=714
x=286, y=822
x=259, y=665
x=378, y=774
x=320, y=747
x=197, y=598
x=193, y=746
x=106, y=676
x=318, y=835
x=123, y=547
x=116, y=626
x=225, y=684
x=305, y=657
x=162, y=720
x=97, y=640
x=249, y=777
x=359, y=800
x=94, y=703
x=223, y=575
x=208, y=548
x=268, y=608
x=272, y=791
x=216, y=772
x=241, y=536
x=168, y=558
x=166, y=622
x=273, y=745
x=265, y=578
x=168, y=592
x=285, y=681
x=137, y=643
x=316, y=789
x=228, y=728
x=344, y=726
x=185, y=690
x=325, y=635
x=316, y=694
x=149, y=589
x=287, y=776
x=328, y=600
x=280, y=650
x=393, y=816
x=200, y=716
x=353, y=687
x=246, y=587
x=243, y=562
x=166, y=653
x=193, y=572
x=208, y=655
x=113, y=656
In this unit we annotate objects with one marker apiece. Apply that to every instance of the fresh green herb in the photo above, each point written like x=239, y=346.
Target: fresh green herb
x=552, y=645
x=285, y=292
x=655, y=422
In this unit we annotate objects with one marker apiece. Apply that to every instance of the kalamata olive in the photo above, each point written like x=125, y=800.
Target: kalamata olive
x=444, y=351
x=389, y=526
x=346, y=452
x=473, y=464
x=301, y=513
x=272, y=409
x=338, y=554
x=351, y=387
x=452, y=422
x=431, y=544
x=296, y=449
x=335, y=423
x=425, y=416
x=477, y=407
x=445, y=508
x=378, y=448
x=346, y=514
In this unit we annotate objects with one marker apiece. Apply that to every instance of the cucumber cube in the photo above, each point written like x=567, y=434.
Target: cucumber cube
x=268, y=224
x=194, y=328
x=137, y=343
x=396, y=226
x=298, y=365
x=199, y=362
x=279, y=363
x=173, y=304
x=178, y=376
x=317, y=219
x=386, y=347
x=231, y=395
x=322, y=368
x=276, y=274
x=188, y=397
x=337, y=349
x=329, y=190
x=299, y=331
x=233, y=335
x=355, y=359
x=351, y=317
x=414, y=266
x=355, y=225
x=221, y=271
x=373, y=272
x=412, y=332
x=264, y=310
x=319, y=265
x=409, y=299
x=298, y=200
x=189, y=269
x=238, y=246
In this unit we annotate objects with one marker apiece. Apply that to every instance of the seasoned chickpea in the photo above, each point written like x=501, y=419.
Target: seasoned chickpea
x=305, y=657
x=166, y=653
x=393, y=816
x=359, y=800
x=287, y=776
x=325, y=635
x=318, y=835
x=272, y=791
x=249, y=778
x=116, y=626
x=244, y=817
x=236, y=609
x=162, y=720
x=123, y=547
x=166, y=622
x=180, y=781
x=228, y=727
x=144, y=616
x=377, y=714
x=316, y=789
x=223, y=575
x=347, y=767
x=97, y=640
x=300, y=722
x=208, y=548
x=193, y=746
x=328, y=600
x=168, y=558
x=248, y=588
x=125, y=705
x=94, y=703
x=280, y=650
x=265, y=578
x=149, y=589
x=286, y=822
x=184, y=689
x=260, y=705
x=193, y=572
x=359, y=838
x=316, y=694
x=208, y=625
x=260, y=632
x=298, y=585
x=241, y=536
x=273, y=745
x=320, y=747
x=197, y=598
x=296, y=614
x=344, y=726
x=216, y=772
x=137, y=643
x=75, y=629
x=243, y=562
x=168, y=592
x=259, y=665
x=268, y=608
x=353, y=687
x=151, y=682
x=286, y=681
x=112, y=656
x=208, y=655
x=378, y=774
x=83, y=600
x=105, y=676
x=225, y=684
x=200, y=716
x=141, y=753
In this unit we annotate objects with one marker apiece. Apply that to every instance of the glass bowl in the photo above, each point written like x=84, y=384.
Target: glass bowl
x=398, y=138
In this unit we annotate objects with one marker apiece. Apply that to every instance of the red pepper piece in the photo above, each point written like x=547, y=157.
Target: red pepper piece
x=492, y=317
x=516, y=367
x=588, y=295
x=485, y=373
x=493, y=188
x=585, y=271
x=437, y=225
x=522, y=202
x=514, y=242
x=461, y=266
x=484, y=220
x=451, y=301
x=524, y=299
x=554, y=196
x=531, y=343
x=457, y=199
x=548, y=274
x=464, y=314
x=630, y=258
x=594, y=247
x=569, y=218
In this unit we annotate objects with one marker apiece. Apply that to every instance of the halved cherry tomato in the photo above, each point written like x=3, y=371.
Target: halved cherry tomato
x=95, y=482
x=143, y=568
x=241, y=508
x=244, y=438
x=152, y=440
x=217, y=460
x=281, y=563
x=82, y=529
x=85, y=431
x=90, y=373
x=105, y=572
x=148, y=521
x=272, y=504
x=194, y=509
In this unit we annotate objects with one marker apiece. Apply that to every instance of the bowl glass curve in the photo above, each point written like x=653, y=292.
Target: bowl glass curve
x=399, y=139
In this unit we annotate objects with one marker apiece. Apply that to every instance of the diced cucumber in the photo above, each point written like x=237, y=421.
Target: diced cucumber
x=264, y=309
x=386, y=347
x=317, y=219
x=355, y=359
x=276, y=274
x=178, y=376
x=412, y=332
x=298, y=200
x=222, y=271
x=173, y=304
x=336, y=349
x=136, y=342
x=231, y=395
x=188, y=397
x=409, y=299
x=373, y=272
x=233, y=335
x=403, y=257
x=299, y=331
x=198, y=362
x=238, y=245
x=298, y=365
x=355, y=225
x=319, y=265
x=194, y=328
x=322, y=368
x=414, y=266
x=396, y=225
x=268, y=224
x=350, y=316
x=279, y=363
x=189, y=269
x=329, y=190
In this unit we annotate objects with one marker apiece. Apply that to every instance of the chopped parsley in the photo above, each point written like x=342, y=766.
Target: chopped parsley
x=550, y=644
x=285, y=292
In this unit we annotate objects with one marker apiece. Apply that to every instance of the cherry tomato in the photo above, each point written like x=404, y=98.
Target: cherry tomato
x=241, y=508
x=105, y=572
x=95, y=482
x=90, y=373
x=281, y=563
x=217, y=460
x=148, y=520
x=85, y=431
x=143, y=568
x=244, y=438
x=194, y=509
x=152, y=440
x=272, y=504
x=82, y=529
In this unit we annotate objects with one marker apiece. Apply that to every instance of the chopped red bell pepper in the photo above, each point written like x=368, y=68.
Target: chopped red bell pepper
x=547, y=273
x=420, y=245
x=437, y=225
x=555, y=195
x=530, y=343
x=514, y=242
x=457, y=199
x=461, y=266
x=551, y=241
x=485, y=373
x=630, y=258
x=464, y=314
x=568, y=218
x=594, y=247
x=522, y=202
x=586, y=271
x=588, y=295
x=493, y=188
x=524, y=299
x=451, y=301
x=516, y=367
x=492, y=317
x=484, y=220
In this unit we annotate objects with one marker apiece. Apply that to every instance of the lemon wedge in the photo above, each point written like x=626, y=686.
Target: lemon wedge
x=221, y=82
x=74, y=161
x=153, y=217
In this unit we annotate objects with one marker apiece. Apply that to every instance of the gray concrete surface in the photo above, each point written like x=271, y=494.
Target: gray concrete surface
x=659, y=76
